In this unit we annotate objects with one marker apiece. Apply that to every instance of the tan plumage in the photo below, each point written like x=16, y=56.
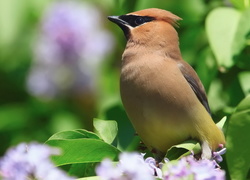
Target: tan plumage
x=162, y=94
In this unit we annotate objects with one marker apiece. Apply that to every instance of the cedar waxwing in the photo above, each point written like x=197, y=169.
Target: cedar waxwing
x=162, y=94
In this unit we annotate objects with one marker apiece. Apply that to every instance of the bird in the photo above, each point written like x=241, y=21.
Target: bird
x=162, y=94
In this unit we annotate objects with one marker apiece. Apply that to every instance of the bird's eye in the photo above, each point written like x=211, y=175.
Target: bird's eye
x=139, y=20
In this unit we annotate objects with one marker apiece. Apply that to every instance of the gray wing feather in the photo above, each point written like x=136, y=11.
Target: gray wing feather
x=200, y=94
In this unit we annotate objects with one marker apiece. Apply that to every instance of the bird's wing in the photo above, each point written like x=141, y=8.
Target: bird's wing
x=195, y=83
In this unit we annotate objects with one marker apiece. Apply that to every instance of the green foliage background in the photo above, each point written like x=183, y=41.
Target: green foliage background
x=214, y=39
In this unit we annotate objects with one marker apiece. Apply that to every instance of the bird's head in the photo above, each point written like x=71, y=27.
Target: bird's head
x=146, y=24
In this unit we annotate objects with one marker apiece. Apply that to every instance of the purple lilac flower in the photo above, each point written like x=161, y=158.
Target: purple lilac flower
x=70, y=46
x=108, y=171
x=205, y=169
x=30, y=161
x=176, y=170
x=217, y=155
x=190, y=168
x=155, y=170
x=131, y=166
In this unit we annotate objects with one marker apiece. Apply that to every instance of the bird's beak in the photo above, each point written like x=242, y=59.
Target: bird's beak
x=117, y=20
x=122, y=24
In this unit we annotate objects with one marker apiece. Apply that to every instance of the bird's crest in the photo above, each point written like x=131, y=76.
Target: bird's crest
x=159, y=14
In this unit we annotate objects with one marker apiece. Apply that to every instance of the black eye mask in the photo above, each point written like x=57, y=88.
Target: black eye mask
x=134, y=20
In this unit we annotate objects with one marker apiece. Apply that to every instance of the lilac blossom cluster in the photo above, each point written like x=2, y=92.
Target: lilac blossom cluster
x=132, y=166
x=30, y=161
x=69, y=49
x=190, y=168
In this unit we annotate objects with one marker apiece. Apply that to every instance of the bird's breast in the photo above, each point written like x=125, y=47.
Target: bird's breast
x=155, y=85
x=149, y=93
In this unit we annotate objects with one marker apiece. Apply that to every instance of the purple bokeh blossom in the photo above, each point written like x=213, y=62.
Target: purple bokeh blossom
x=108, y=171
x=71, y=44
x=131, y=166
x=190, y=168
x=30, y=161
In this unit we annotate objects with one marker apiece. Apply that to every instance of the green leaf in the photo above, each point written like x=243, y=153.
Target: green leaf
x=222, y=122
x=217, y=97
x=238, y=156
x=228, y=41
x=241, y=4
x=74, y=134
x=221, y=27
x=241, y=34
x=206, y=64
x=82, y=151
x=126, y=133
x=106, y=129
x=82, y=170
x=244, y=78
x=183, y=149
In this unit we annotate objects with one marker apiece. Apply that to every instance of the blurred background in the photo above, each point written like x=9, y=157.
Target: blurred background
x=60, y=63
